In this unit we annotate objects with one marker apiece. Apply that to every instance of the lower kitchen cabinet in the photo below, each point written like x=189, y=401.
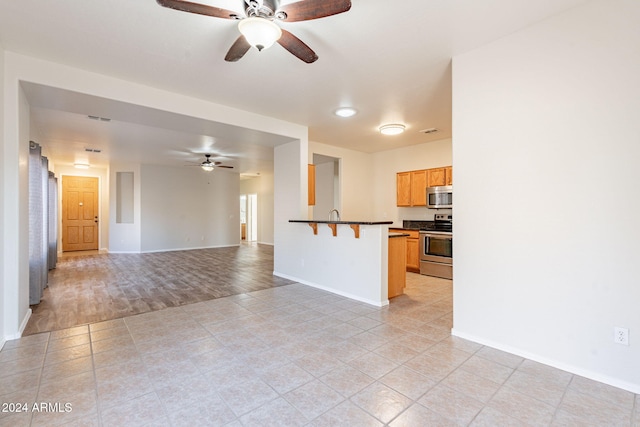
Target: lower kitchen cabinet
x=397, y=276
x=412, y=243
x=413, y=255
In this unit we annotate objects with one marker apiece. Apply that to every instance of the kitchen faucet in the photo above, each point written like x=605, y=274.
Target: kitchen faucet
x=331, y=214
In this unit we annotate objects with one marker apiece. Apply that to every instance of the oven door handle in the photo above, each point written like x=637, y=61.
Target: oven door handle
x=438, y=236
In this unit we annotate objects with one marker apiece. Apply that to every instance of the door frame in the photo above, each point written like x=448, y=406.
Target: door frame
x=102, y=214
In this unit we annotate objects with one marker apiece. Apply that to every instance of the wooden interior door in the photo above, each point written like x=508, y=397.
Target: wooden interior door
x=79, y=213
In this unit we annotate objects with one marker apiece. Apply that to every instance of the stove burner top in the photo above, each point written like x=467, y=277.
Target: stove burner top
x=441, y=222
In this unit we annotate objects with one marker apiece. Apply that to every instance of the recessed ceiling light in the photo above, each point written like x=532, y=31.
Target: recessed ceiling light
x=392, y=129
x=345, y=112
x=81, y=165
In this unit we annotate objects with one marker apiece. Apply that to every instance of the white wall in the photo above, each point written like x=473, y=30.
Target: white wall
x=356, y=176
x=388, y=163
x=325, y=190
x=263, y=187
x=186, y=208
x=15, y=144
x=3, y=288
x=546, y=132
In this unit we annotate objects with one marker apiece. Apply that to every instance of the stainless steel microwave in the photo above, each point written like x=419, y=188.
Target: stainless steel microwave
x=440, y=197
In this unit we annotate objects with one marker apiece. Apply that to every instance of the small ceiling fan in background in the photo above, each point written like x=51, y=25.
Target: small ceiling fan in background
x=258, y=25
x=208, y=165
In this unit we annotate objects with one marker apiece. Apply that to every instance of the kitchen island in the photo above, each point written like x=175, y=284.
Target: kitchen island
x=349, y=258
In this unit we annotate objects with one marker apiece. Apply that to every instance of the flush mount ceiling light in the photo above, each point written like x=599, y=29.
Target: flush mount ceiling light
x=392, y=129
x=345, y=112
x=81, y=165
x=259, y=32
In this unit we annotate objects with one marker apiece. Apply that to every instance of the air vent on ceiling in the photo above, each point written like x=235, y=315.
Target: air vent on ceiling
x=93, y=150
x=102, y=119
x=430, y=130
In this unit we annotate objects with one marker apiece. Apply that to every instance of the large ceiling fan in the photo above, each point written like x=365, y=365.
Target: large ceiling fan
x=258, y=25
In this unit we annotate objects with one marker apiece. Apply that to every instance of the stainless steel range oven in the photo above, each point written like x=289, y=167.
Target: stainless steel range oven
x=436, y=249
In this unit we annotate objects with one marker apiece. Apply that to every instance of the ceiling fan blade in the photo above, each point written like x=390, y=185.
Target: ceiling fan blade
x=313, y=9
x=223, y=166
x=201, y=9
x=237, y=49
x=297, y=47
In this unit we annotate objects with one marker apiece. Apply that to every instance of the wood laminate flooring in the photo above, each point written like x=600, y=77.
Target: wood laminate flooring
x=96, y=287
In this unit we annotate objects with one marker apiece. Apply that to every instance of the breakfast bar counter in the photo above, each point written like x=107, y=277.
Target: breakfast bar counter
x=333, y=225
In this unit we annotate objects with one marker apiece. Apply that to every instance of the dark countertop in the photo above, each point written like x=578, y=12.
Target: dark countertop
x=398, y=235
x=318, y=221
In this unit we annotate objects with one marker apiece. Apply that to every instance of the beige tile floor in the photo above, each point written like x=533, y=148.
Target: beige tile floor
x=293, y=356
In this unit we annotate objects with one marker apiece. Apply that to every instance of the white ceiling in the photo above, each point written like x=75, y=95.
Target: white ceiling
x=389, y=60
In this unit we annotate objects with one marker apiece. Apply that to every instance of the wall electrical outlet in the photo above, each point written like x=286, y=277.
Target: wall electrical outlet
x=621, y=336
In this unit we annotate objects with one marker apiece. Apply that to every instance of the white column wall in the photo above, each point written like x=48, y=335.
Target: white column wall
x=15, y=144
x=546, y=134
x=3, y=288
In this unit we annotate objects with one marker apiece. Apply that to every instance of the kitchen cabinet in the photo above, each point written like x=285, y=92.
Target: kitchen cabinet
x=397, y=277
x=411, y=188
x=436, y=177
x=412, y=246
x=311, y=180
x=449, y=175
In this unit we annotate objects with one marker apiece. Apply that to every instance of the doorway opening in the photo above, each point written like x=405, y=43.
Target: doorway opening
x=327, y=185
x=249, y=217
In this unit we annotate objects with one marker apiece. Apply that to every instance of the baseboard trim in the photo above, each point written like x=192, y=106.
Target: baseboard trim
x=188, y=249
x=615, y=382
x=23, y=326
x=333, y=291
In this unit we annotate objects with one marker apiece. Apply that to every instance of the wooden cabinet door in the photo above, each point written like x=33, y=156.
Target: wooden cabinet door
x=311, y=180
x=419, y=188
x=436, y=177
x=413, y=255
x=403, y=189
x=449, y=175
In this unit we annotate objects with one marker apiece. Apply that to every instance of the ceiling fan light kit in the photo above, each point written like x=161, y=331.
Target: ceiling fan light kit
x=258, y=27
x=392, y=129
x=209, y=166
x=259, y=32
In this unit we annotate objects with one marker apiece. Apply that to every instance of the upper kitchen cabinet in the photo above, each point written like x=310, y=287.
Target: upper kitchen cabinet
x=439, y=176
x=412, y=185
x=436, y=177
x=411, y=188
